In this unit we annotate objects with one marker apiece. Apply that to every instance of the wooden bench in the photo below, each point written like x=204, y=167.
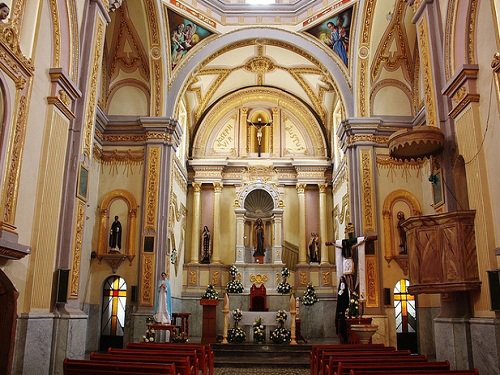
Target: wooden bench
x=205, y=353
x=345, y=368
x=416, y=372
x=333, y=363
x=183, y=365
x=153, y=355
x=330, y=360
x=89, y=367
x=317, y=349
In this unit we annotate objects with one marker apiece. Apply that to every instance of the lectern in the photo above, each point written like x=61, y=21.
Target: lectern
x=209, y=325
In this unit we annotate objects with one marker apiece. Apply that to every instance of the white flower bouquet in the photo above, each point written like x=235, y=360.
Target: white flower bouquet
x=259, y=333
x=210, y=293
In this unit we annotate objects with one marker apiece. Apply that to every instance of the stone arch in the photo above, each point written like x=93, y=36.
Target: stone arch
x=273, y=193
x=313, y=136
x=296, y=41
x=109, y=198
x=389, y=213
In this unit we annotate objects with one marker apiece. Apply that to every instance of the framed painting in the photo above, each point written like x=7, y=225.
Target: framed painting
x=334, y=32
x=83, y=181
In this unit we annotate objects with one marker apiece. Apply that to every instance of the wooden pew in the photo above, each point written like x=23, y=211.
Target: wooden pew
x=154, y=355
x=205, y=357
x=345, y=368
x=329, y=360
x=182, y=364
x=416, y=372
x=89, y=367
x=318, y=348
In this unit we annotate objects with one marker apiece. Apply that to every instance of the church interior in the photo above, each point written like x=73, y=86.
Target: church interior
x=258, y=143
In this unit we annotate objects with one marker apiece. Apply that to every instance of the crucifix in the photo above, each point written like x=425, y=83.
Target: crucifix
x=259, y=125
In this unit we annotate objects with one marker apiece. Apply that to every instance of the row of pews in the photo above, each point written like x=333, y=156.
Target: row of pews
x=375, y=359
x=146, y=358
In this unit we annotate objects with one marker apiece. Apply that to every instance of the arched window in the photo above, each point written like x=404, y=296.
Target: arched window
x=114, y=300
x=404, y=306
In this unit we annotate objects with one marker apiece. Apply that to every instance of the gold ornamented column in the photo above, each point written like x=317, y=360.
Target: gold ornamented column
x=322, y=223
x=217, y=228
x=162, y=136
x=195, y=244
x=302, y=222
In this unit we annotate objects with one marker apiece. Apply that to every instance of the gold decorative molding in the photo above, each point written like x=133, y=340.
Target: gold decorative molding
x=372, y=289
x=147, y=282
x=115, y=157
x=16, y=148
x=56, y=34
x=471, y=34
x=386, y=162
x=92, y=88
x=364, y=138
x=386, y=56
x=301, y=188
x=303, y=279
x=416, y=143
x=193, y=278
x=363, y=64
x=259, y=278
x=75, y=40
x=325, y=278
x=152, y=184
x=367, y=187
x=77, y=248
x=449, y=46
x=216, y=278
x=425, y=58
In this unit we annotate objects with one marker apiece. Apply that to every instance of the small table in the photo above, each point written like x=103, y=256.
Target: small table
x=161, y=331
x=184, y=317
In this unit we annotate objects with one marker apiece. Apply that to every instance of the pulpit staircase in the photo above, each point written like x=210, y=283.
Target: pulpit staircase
x=248, y=355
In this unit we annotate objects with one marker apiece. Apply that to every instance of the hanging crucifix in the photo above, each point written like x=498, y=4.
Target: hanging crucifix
x=259, y=124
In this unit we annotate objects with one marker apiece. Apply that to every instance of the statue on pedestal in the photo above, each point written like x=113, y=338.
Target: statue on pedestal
x=259, y=235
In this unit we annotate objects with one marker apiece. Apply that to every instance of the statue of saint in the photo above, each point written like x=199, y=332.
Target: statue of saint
x=314, y=248
x=4, y=12
x=402, y=234
x=115, y=235
x=259, y=234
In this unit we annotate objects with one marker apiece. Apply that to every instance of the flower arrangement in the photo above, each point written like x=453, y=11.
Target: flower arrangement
x=150, y=333
x=285, y=272
x=210, y=293
x=234, y=286
x=281, y=317
x=237, y=315
x=353, y=310
x=281, y=335
x=309, y=298
x=284, y=287
x=259, y=333
x=236, y=334
x=179, y=337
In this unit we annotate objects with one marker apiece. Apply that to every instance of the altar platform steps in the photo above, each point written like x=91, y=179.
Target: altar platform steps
x=261, y=355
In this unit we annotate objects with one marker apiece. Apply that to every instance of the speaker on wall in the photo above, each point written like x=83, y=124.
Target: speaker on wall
x=387, y=296
x=133, y=294
x=62, y=278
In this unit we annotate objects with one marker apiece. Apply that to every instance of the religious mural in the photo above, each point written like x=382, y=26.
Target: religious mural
x=184, y=35
x=334, y=32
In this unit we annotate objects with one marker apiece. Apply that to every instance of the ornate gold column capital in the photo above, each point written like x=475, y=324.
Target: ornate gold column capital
x=301, y=187
x=217, y=187
x=196, y=186
x=322, y=187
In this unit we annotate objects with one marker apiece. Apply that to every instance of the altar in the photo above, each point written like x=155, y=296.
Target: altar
x=248, y=318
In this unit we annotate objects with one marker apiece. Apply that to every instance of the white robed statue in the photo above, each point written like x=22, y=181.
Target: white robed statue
x=163, y=302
